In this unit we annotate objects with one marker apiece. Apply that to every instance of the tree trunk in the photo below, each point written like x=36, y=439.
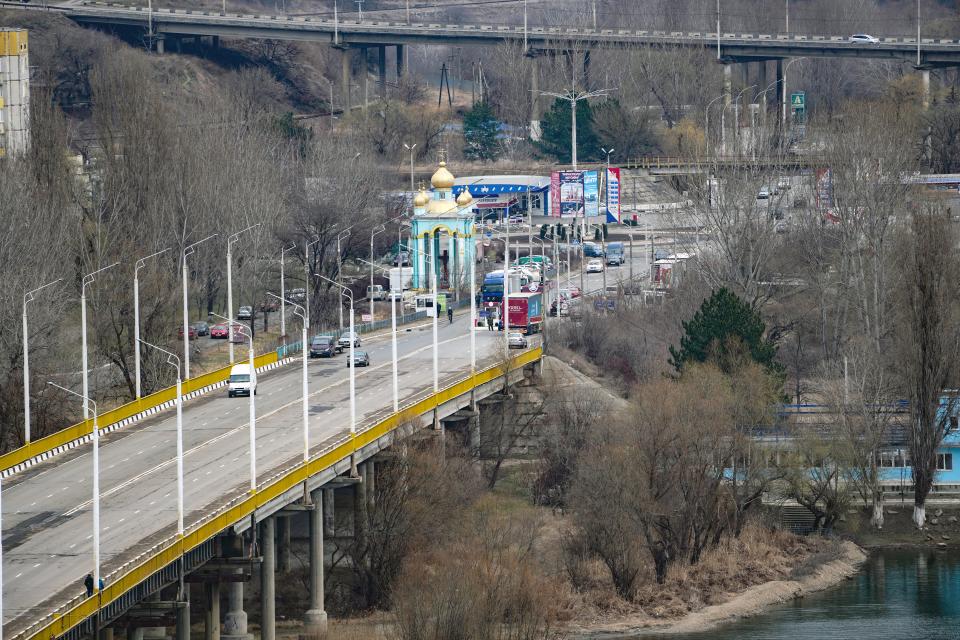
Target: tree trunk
x=877, y=519
x=919, y=513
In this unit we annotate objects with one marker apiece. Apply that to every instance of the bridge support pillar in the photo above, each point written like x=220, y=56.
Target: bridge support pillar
x=781, y=99
x=183, y=615
x=365, y=70
x=211, y=619
x=382, y=71
x=235, y=622
x=345, y=77
x=283, y=544
x=401, y=62
x=727, y=98
x=586, y=69
x=315, y=619
x=925, y=78
x=159, y=44
x=106, y=633
x=268, y=547
x=329, y=515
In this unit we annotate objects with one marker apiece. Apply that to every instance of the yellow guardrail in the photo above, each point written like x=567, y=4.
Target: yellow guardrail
x=232, y=513
x=85, y=428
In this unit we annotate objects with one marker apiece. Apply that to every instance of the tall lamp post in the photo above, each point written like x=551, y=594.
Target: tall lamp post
x=174, y=362
x=706, y=121
x=27, y=297
x=231, y=239
x=244, y=330
x=84, y=283
x=302, y=312
x=189, y=250
x=283, y=294
x=344, y=291
x=606, y=180
x=436, y=314
x=394, y=296
x=142, y=262
x=95, y=438
x=378, y=229
x=343, y=235
x=573, y=97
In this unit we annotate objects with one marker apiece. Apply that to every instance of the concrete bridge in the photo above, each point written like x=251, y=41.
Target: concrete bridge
x=149, y=568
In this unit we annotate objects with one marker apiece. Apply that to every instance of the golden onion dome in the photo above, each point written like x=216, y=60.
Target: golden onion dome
x=464, y=198
x=441, y=207
x=442, y=179
x=421, y=199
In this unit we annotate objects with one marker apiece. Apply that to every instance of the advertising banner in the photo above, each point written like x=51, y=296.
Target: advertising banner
x=566, y=193
x=591, y=192
x=824, y=193
x=555, y=194
x=613, y=194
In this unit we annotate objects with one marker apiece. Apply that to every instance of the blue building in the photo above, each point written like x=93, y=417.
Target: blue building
x=498, y=197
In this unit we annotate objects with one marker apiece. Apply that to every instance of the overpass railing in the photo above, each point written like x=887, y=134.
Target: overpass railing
x=668, y=162
x=143, y=567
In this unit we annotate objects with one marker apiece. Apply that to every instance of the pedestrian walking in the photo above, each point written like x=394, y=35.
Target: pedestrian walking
x=489, y=322
x=88, y=583
x=450, y=314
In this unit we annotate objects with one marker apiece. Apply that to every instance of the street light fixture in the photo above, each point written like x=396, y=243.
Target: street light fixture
x=302, y=312
x=736, y=114
x=189, y=250
x=343, y=235
x=142, y=262
x=28, y=297
x=393, y=329
x=174, y=362
x=344, y=291
x=95, y=438
x=244, y=330
x=232, y=238
x=283, y=293
x=87, y=280
x=573, y=97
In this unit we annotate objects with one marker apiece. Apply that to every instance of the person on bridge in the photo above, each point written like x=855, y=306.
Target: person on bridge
x=450, y=313
x=88, y=583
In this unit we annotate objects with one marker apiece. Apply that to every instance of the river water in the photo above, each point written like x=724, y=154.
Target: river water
x=898, y=594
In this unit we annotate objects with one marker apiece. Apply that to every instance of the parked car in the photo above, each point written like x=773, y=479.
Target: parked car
x=570, y=292
x=360, y=359
x=764, y=193
x=323, y=347
x=241, y=383
x=202, y=328
x=219, y=332
x=193, y=333
x=517, y=341
x=595, y=266
x=864, y=38
x=245, y=312
x=376, y=292
x=347, y=338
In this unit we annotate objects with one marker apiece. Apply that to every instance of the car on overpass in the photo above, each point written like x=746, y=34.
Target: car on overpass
x=864, y=38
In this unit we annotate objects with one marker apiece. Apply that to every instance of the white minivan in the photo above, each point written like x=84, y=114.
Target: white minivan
x=376, y=292
x=241, y=383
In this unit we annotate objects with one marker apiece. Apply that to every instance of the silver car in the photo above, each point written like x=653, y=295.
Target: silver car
x=517, y=341
x=347, y=337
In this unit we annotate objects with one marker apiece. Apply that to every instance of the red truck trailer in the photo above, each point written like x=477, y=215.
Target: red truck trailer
x=526, y=312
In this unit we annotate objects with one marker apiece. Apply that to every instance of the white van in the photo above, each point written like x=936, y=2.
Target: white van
x=240, y=382
x=376, y=292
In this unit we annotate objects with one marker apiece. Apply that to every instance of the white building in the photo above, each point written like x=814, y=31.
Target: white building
x=14, y=92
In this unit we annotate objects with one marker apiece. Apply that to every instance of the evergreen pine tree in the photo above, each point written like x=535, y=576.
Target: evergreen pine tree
x=480, y=133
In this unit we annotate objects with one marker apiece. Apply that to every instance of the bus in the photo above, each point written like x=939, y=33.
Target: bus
x=492, y=289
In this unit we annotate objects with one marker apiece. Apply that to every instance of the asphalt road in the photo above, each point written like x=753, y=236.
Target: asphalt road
x=47, y=520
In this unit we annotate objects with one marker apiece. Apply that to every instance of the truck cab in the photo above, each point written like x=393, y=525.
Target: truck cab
x=242, y=381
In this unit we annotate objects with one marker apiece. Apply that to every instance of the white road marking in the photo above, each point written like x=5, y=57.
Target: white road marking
x=73, y=545
x=37, y=565
x=18, y=575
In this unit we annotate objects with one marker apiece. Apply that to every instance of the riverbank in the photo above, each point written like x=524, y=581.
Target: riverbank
x=752, y=601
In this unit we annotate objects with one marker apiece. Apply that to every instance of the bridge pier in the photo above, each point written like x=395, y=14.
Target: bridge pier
x=345, y=78
x=283, y=543
x=268, y=548
x=401, y=62
x=382, y=71
x=360, y=507
x=365, y=70
x=183, y=615
x=329, y=523
x=925, y=80
x=315, y=619
x=211, y=618
x=235, y=622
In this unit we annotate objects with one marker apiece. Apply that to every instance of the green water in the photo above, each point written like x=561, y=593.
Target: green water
x=897, y=595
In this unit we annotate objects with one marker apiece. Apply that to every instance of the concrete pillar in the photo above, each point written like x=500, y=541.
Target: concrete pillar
x=134, y=633
x=315, y=618
x=781, y=98
x=183, y=615
x=586, y=69
x=401, y=51
x=360, y=508
x=364, y=70
x=283, y=544
x=268, y=595
x=329, y=515
x=371, y=481
x=211, y=620
x=160, y=45
x=178, y=43
x=925, y=77
x=106, y=633
x=215, y=42
x=727, y=99
x=382, y=71
x=345, y=77
x=235, y=621
x=535, y=132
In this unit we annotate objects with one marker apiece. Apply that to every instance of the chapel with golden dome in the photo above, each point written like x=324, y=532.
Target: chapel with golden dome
x=442, y=237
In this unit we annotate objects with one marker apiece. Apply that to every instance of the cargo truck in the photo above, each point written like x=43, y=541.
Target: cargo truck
x=526, y=312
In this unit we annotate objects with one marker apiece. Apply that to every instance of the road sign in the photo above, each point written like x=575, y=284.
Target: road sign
x=366, y=317
x=798, y=100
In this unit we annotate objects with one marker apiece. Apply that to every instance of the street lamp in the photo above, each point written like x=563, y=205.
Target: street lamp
x=283, y=293
x=410, y=149
x=344, y=291
x=142, y=262
x=606, y=179
x=393, y=330
x=436, y=314
x=28, y=297
x=343, y=235
x=573, y=97
x=230, y=240
x=95, y=438
x=188, y=250
x=302, y=312
x=244, y=330
x=783, y=96
x=706, y=120
x=174, y=362
x=87, y=280
x=378, y=229
x=736, y=114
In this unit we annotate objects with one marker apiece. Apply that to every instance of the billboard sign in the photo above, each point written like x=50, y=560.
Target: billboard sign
x=824, y=192
x=613, y=194
x=574, y=193
x=591, y=192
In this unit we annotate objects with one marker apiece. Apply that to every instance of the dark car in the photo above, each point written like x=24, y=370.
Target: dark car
x=201, y=328
x=323, y=347
x=360, y=359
